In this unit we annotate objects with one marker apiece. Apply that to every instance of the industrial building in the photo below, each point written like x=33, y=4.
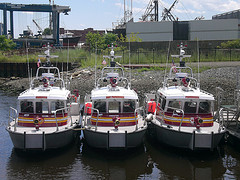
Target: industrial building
x=224, y=26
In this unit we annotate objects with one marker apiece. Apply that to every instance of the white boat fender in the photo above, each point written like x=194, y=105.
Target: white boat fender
x=149, y=117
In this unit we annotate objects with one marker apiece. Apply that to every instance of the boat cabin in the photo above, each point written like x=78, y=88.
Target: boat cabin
x=175, y=104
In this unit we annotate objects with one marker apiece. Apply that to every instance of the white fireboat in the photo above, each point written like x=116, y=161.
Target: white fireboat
x=112, y=117
x=47, y=112
x=183, y=115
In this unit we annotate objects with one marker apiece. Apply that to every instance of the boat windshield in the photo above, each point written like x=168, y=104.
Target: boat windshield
x=204, y=107
x=114, y=107
x=174, y=105
x=100, y=105
x=57, y=105
x=128, y=106
x=190, y=107
x=41, y=107
x=26, y=106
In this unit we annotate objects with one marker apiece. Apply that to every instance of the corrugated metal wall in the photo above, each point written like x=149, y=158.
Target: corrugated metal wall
x=218, y=29
x=151, y=31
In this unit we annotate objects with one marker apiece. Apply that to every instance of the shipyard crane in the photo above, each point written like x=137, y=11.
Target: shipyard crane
x=149, y=15
x=167, y=15
x=39, y=28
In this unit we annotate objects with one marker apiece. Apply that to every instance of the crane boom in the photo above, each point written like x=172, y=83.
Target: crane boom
x=40, y=29
x=167, y=15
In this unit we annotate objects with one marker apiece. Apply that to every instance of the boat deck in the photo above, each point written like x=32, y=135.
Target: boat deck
x=202, y=130
x=46, y=130
x=141, y=124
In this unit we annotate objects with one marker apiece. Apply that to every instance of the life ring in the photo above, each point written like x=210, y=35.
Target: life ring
x=116, y=121
x=38, y=120
x=198, y=121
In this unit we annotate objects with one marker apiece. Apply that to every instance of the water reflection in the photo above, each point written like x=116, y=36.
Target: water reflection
x=231, y=161
x=79, y=161
x=129, y=164
x=151, y=161
x=47, y=165
x=179, y=164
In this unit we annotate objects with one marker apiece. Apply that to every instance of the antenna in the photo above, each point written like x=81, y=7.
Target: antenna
x=198, y=62
x=96, y=65
x=29, y=78
x=169, y=45
x=130, y=64
x=67, y=59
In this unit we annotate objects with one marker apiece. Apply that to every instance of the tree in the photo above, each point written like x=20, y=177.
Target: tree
x=235, y=44
x=109, y=38
x=47, y=31
x=6, y=44
x=95, y=40
x=133, y=37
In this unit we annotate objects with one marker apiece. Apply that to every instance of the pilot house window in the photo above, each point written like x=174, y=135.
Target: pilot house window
x=26, y=106
x=114, y=107
x=128, y=106
x=41, y=107
x=100, y=105
x=172, y=105
x=57, y=105
x=190, y=107
x=204, y=107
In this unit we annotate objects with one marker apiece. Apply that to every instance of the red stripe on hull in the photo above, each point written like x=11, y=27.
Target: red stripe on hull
x=43, y=116
x=42, y=125
x=115, y=114
x=170, y=122
x=30, y=115
x=112, y=124
x=188, y=124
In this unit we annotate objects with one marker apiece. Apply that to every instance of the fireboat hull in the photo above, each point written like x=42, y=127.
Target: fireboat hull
x=187, y=138
x=114, y=139
x=42, y=140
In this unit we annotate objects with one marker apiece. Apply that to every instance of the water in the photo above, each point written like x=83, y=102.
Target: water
x=78, y=161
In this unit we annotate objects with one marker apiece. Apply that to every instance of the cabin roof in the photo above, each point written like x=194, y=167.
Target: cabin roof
x=177, y=92
x=118, y=93
x=53, y=93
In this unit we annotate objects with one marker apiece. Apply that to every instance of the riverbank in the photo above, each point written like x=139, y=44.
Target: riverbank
x=223, y=74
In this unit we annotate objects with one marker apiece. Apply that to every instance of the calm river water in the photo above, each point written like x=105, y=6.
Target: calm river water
x=78, y=161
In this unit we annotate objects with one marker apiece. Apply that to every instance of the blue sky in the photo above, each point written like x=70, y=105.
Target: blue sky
x=100, y=14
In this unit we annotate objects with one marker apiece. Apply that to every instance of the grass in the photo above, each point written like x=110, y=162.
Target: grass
x=87, y=59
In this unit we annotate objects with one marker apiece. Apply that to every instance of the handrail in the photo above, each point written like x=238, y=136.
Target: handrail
x=186, y=67
x=34, y=79
x=193, y=80
x=85, y=114
x=122, y=79
x=11, y=113
x=221, y=116
x=135, y=111
x=112, y=68
x=62, y=109
x=175, y=110
x=180, y=125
